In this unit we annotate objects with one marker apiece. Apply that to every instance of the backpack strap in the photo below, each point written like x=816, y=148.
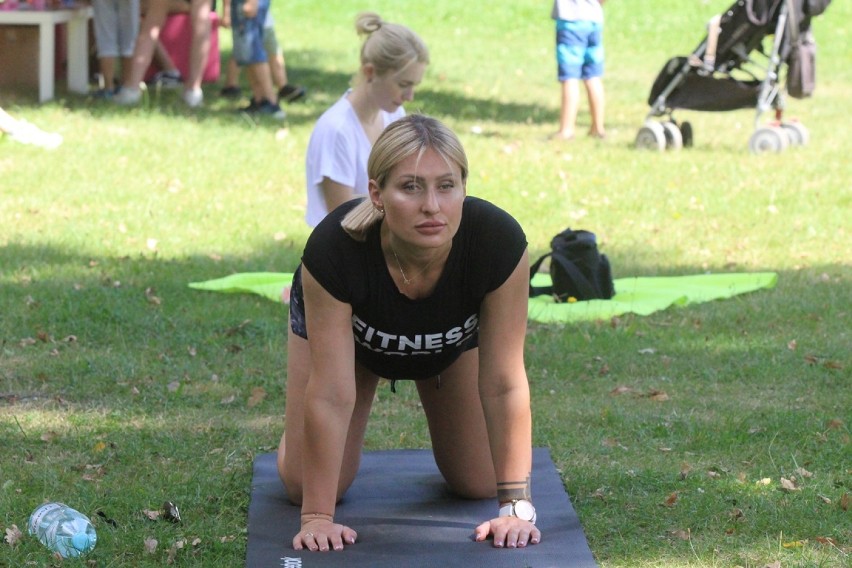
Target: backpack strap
x=538, y=290
x=584, y=287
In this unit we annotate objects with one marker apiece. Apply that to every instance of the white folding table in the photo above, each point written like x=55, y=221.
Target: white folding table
x=77, y=19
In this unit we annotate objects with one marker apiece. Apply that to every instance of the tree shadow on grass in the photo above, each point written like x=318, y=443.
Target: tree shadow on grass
x=138, y=328
x=324, y=88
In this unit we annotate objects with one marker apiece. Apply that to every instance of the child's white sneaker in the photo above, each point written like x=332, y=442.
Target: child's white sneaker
x=128, y=96
x=193, y=98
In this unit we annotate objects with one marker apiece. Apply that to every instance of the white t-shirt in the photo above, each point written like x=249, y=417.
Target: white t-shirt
x=338, y=150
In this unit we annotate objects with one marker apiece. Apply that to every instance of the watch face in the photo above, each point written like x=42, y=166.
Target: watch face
x=524, y=510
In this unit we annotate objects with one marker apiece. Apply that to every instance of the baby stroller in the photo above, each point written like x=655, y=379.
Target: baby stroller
x=733, y=69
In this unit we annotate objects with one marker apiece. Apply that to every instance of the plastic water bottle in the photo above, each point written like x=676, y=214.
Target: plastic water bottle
x=62, y=529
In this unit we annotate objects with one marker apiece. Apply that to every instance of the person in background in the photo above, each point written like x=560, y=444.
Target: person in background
x=393, y=61
x=146, y=41
x=580, y=56
x=116, y=24
x=247, y=20
x=277, y=66
x=416, y=281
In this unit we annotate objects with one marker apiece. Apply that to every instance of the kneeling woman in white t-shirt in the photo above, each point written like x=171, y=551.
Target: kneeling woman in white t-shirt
x=393, y=60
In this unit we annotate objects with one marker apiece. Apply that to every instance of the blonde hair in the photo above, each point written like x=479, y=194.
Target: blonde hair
x=410, y=135
x=388, y=47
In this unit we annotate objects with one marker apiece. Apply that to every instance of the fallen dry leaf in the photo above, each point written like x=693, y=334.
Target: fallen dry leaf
x=150, y=295
x=804, y=473
x=257, y=396
x=658, y=395
x=764, y=481
x=621, y=390
x=794, y=544
x=612, y=443
x=844, y=502
x=826, y=540
x=776, y=564
x=236, y=329
x=824, y=499
x=685, y=468
x=178, y=545
x=151, y=545
x=789, y=485
x=152, y=515
x=834, y=424
x=13, y=535
x=671, y=500
x=681, y=534
x=791, y=345
x=49, y=436
x=737, y=514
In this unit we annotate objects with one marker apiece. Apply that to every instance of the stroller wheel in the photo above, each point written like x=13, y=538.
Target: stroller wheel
x=674, y=138
x=768, y=139
x=686, y=133
x=796, y=132
x=651, y=137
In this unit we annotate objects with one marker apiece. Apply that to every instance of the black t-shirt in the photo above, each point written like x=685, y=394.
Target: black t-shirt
x=400, y=338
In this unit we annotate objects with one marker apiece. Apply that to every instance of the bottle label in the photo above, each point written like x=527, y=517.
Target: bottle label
x=39, y=514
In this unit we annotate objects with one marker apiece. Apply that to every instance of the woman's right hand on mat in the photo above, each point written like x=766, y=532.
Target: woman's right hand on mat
x=323, y=535
x=508, y=532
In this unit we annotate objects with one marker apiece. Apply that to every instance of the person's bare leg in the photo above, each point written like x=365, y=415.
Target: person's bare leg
x=232, y=73
x=595, y=92
x=261, y=82
x=162, y=58
x=126, y=65
x=570, y=106
x=200, y=49
x=107, y=68
x=146, y=41
x=457, y=427
x=277, y=69
x=290, y=461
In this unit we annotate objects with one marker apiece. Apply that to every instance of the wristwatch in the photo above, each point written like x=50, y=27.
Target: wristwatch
x=520, y=508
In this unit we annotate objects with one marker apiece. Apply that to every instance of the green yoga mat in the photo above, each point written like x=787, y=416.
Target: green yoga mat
x=640, y=295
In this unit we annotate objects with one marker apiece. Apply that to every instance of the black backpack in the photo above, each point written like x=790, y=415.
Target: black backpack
x=577, y=269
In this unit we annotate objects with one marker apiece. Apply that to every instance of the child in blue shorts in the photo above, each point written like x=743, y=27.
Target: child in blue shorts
x=580, y=56
x=247, y=18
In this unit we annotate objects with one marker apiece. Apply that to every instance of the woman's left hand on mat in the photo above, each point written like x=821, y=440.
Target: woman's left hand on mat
x=509, y=532
x=323, y=536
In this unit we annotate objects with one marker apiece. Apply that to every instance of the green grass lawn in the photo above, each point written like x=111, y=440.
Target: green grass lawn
x=121, y=388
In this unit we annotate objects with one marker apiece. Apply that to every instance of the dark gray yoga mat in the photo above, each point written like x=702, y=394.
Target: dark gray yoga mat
x=405, y=517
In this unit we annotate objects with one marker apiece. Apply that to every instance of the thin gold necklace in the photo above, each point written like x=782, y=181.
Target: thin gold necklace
x=405, y=279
